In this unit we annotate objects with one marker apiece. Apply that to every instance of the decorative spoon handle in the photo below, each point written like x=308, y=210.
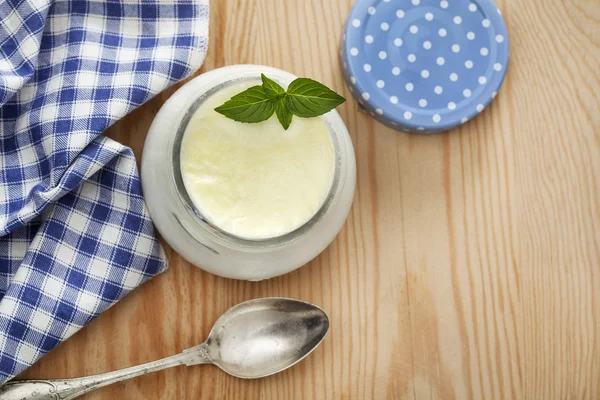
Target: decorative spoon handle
x=67, y=389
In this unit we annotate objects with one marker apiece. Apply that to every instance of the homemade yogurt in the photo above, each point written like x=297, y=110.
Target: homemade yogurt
x=256, y=181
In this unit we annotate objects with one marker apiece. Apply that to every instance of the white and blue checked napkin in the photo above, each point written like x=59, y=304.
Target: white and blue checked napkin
x=75, y=235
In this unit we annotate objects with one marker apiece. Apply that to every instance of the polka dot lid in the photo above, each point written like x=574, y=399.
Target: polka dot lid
x=424, y=65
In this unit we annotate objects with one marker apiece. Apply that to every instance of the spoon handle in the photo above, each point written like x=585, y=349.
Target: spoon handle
x=67, y=389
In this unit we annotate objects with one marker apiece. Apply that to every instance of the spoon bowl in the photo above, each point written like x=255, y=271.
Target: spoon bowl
x=262, y=337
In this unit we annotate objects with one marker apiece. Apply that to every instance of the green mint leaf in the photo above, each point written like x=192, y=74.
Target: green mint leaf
x=252, y=105
x=308, y=98
x=273, y=90
x=283, y=114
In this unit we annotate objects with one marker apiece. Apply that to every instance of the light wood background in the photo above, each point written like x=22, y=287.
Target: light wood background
x=469, y=267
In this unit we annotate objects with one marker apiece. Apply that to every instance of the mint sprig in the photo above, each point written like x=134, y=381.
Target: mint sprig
x=305, y=98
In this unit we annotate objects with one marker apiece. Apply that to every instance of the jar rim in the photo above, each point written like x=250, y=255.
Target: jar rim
x=196, y=215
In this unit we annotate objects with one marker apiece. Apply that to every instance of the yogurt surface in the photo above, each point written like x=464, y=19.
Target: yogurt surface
x=256, y=181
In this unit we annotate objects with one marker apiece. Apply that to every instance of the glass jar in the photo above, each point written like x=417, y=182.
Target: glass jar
x=203, y=244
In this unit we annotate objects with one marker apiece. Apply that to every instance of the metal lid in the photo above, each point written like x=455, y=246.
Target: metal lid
x=424, y=65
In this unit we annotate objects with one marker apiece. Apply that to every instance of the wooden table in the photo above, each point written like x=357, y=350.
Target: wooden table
x=469, y=266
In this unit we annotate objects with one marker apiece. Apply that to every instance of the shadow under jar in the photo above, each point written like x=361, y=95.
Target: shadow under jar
x=192, y=232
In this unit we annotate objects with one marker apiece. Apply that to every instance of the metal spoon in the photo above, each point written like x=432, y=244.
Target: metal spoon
x=251, y=340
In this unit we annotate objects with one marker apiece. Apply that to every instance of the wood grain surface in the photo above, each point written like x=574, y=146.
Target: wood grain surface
x=469, y=267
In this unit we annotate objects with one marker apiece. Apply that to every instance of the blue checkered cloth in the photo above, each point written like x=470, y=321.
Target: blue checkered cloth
x=75, y=235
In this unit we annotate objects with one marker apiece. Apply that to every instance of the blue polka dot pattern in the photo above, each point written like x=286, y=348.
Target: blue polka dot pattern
x=425, y=66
